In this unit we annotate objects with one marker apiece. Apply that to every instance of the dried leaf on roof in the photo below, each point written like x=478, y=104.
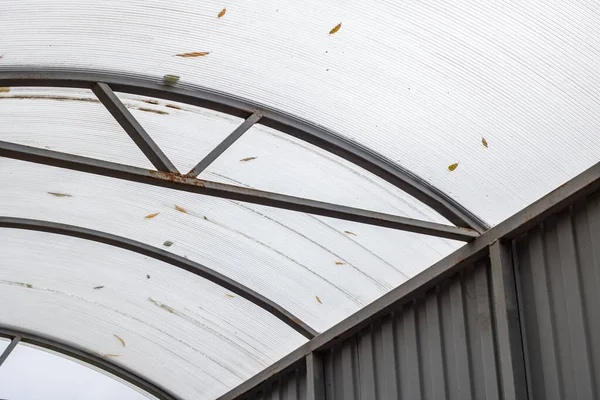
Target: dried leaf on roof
x=56, y=194
x=248, y=159
x=230, y=295
x=340, y=263
x=4, y=89
x=120, y=339
x=180, y=209
x=173, y=106
x=152, y=111
x=170, y=79
x=150, y=101
x=194, y=54
x=98, y=287
x=147, y=276
x=222, y=13
x=350, y=233
x=452, y=167
x=168, y=243
x=149, y=216
x=112, y=355
x=335, y=28
x=318, y=299
x=484, y=142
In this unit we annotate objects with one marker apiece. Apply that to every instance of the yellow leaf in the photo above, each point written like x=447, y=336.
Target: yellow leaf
x=151, y=215
x=484, y=142
x=318, y=299
x=194, y=54
x=452, y=167
x=4, y=89
x=170, y=79
x=223, y=11
x=120, y=340
x=350, y=233
x=112, y=355
x=248, y=159
x=335, y=28
x=339, y=263
x=230, y=295
x=180, y=209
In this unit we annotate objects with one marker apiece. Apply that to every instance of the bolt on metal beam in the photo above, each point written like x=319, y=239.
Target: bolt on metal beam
x=224, y=191
x=13, y=343
x=133, y=128
x=167, y=257
x=225, y=144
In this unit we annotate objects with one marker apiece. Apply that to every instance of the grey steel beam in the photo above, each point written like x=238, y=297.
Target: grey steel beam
x=580, y=186
x=286, y=123
x=133, y=128
x=225, y=144
x=164, y=256
x=13, y=343
x=91, y=359
x=220, y=190
x=508, y=324
x=315, y=377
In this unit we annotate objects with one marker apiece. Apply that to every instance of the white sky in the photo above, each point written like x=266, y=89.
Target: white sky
x=31, y=374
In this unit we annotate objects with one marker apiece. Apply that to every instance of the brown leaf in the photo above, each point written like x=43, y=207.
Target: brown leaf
x=180, y=209
x=98, y=287
x=484, y=142
x=173, y=106
x=120, y=339
x=340, y=263
x=318, y=299
x=452, y=167
x=248, y=159
x=350, y=233
x=230, y=295
x=149, y=216
x=56, y=194
x=152, y=111
x=335, y=28
x=150, y=101
x=222, y=13
x=4, y=89
x=194, y=54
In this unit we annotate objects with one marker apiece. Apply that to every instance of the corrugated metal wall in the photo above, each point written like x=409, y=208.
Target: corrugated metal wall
x=558, y=265
x=440, y=346
x=288, y=386
x=445, y=343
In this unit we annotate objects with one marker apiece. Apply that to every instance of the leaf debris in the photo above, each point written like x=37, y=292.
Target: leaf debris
x=147, y=276
x=180, y=209
x=230, y=295
x=173, y=106
x=152, y=111
x=98, y=287
x=340, y=263
x=222, y=13
x=168, y=243
x=161, y=305
x=318, y=299
x=56, y=194
x=484, y=142
x=335, y=28
x=248, y=159
x=149, y=216
x=452, y=167
x=194, y=54
x=4, y=89
x=150, y=101
x=120, y=339
x=350, y=233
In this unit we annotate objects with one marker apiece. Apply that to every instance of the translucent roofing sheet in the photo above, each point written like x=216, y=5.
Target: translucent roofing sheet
x=421, y=83
x=290, y=257
x=196, y=341
x=34, y=373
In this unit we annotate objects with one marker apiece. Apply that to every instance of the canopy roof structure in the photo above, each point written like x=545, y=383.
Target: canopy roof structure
x=192, y=190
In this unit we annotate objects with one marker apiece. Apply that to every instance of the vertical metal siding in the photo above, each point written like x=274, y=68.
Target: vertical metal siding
x=288, y=386
x=558, y=267
x=440, y=346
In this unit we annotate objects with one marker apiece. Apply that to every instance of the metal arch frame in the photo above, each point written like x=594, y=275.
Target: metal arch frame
x=283, y=122
x=86, y=357
x=164, y=256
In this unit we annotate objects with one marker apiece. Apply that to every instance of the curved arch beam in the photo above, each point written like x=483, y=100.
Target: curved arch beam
x=88, y=358
x=164, y=256
x=283, y=122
